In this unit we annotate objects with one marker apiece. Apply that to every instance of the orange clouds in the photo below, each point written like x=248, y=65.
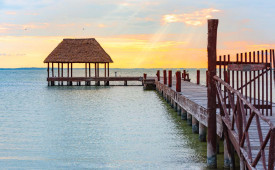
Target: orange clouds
x=196, y=18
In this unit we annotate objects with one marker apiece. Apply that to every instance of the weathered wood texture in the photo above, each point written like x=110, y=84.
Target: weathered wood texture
x=192, y=98
x=77, y=79
x=250, y=132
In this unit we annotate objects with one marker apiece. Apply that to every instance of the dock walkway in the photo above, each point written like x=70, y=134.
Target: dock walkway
x=193, y=100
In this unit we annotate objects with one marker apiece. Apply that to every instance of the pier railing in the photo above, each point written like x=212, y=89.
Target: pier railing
x=251, y=74
x=252, y=134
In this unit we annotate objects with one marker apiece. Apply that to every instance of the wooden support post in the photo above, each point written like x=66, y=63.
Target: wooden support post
x=211, y=94
x=271, y=156
x=195, y=125
x=144, y=76
x=189, y=119
x=158, y=75
x=62, y=73
x=86, y=70
x=108, y=70
x=107, y=83
x=170, y=78
x=95, y=69
x=48, y=71
x=52, y=70
x=89, y=69
x=164, y=77
x=62, y=68
x=227, y=158
x=198, y=76
x=58, y=70
x=184, y=75
x=68, y=74
x=125, y=83
x=97, y=74
x=242, y=163
x=71, y=69
x=68, y=70
x=179, y=109
x=52, y=82
x=178, y=81
x=105, y=70
x=202, y=132
x=183, y=114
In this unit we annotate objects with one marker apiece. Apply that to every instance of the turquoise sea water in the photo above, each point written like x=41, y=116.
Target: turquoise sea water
x=83, y=127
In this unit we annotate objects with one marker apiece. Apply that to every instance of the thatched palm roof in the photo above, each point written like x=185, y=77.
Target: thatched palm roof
x=78, y=51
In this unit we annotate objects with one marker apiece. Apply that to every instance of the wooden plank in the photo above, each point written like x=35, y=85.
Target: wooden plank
x=246, y=67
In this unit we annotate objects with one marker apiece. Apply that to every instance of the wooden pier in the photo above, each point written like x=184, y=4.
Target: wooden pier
x=236, y=105
x=87, y=80
x=191, y=105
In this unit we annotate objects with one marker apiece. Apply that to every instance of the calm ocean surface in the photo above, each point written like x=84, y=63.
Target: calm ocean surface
x=91, y=127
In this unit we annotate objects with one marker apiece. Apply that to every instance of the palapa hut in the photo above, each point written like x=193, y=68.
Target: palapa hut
x=84, y=51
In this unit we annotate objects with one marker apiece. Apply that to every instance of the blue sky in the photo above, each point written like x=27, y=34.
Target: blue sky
x=121, y=26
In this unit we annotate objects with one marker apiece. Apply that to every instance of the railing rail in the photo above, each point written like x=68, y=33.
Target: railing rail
x=236, y=122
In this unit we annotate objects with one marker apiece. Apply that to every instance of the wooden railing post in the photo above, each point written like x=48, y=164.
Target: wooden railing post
x=198, y=76
x=170, y=78
x=164, y=77
x=184, y=75
x=271, y=157
x=178, y=81
x=211, y=94
x=144, y=76
x=158, y=75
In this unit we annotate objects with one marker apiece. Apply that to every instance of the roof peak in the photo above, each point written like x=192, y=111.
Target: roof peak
x=79, y=39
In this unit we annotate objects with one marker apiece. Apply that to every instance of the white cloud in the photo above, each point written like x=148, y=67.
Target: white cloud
x=196, y=18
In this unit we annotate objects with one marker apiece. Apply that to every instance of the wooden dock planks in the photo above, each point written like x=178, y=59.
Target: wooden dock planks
x=193, y=99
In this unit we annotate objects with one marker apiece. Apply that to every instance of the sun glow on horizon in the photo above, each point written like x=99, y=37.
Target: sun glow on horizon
x=135, y=33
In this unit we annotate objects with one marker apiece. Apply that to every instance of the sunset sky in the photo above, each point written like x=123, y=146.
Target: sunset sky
x=135, y=33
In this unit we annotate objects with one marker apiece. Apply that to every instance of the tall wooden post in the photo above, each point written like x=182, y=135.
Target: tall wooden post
x=211, y=93
x=198, y=76
x=164, y=77
x=158, y=75
x=178, y=82
x=170, y=78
